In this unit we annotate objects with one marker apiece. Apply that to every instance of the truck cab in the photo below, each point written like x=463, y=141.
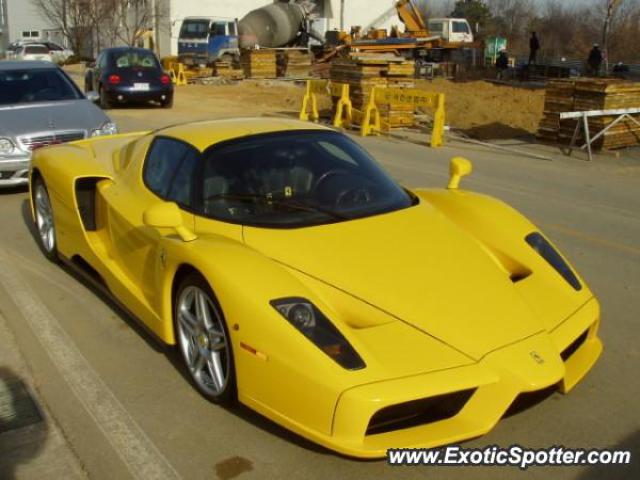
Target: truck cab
x=452, y=30
x=203, y=40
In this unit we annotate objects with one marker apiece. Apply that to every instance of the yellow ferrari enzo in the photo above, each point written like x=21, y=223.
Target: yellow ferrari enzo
x=296, y=276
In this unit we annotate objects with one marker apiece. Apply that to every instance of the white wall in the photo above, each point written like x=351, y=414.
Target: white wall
x=362, y=13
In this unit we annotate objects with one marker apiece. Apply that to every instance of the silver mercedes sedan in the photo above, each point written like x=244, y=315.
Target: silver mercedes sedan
x=39, y=106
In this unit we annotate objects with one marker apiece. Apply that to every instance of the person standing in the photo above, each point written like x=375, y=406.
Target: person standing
x=595, y=60
x=534, y=46
x=502, y=64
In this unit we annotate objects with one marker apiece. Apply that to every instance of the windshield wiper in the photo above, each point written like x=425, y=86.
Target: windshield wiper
x=286, y=202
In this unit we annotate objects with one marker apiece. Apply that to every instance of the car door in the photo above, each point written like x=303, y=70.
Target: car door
x=167, y=175
x=214, y=214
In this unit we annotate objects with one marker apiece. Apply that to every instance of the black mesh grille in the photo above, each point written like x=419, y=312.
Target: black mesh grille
x=575, y=345
x=418, y=412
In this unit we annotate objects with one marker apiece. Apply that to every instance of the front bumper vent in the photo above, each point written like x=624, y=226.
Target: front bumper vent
x=574, y=346
x=418, y=412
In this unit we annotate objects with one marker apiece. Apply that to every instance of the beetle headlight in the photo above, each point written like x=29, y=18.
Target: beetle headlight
x=6, y=146
x=553, y=258
x=109, y=128
x=312, y=323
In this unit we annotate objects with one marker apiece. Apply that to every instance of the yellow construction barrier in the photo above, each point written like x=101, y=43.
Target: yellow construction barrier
x=310, y=99
x=392, y=96
x=344, y=109
x=176, y=72
x=371, y=123
x=370, y=119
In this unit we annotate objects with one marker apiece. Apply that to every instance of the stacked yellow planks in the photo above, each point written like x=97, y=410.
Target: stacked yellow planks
x=293, y=63
x=227, y=70
x=258, y=63
x=363, y=72
x=559, y=98
x=579, y=95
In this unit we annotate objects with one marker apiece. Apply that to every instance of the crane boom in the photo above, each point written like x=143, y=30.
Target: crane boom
x=381, y=19
x=409, y=15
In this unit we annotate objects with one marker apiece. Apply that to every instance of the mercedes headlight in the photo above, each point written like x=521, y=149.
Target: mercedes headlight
x=109, y=128
x=6, y=146
x=553, y=258
x=312, y=323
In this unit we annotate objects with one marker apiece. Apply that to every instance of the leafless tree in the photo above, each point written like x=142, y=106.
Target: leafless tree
x=132, y=19
x=94, y=24
x=71, y=17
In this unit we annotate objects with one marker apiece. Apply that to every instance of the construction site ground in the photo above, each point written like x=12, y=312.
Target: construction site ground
x=479, y=109
x=589, y=209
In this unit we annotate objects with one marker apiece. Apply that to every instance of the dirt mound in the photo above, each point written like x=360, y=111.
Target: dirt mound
x=489, y=111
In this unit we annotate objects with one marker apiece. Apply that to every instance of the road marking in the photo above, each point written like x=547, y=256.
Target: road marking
x=592, y=239
x=133, y=446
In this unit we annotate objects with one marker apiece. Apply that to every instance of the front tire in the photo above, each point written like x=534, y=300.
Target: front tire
x=203, y=340
x=44, y=220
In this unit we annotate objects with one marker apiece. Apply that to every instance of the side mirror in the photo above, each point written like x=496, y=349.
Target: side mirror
x=458, y=167
x=167, y=215
x=93, y=96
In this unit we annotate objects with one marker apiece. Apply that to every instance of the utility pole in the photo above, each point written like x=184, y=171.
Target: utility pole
x=611, y=4
x=342, y=15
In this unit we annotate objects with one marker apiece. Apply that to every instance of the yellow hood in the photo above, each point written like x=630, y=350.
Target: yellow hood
x=416, y=266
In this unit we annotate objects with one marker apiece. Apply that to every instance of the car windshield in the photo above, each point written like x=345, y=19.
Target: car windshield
x=35, y=49
x=194, y=29
x=135, y=59
x=36, y=85
x=295, y=179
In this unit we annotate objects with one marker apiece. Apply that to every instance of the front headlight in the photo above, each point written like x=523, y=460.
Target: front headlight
x=553, y=258
x=6, y=146
x=108, y=128
x=312, y=323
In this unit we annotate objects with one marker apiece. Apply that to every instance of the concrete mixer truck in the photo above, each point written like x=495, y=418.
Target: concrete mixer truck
x=203, y=40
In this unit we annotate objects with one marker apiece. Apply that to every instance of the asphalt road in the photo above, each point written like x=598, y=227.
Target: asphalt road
x=79, y=346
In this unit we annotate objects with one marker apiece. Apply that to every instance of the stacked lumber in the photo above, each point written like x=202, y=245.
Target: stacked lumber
x=559, y=97
x=194, y=74
x=293, y=63
x=227, y=70
x=258, y=63
x=578, y=95
x=363, y=72
x=609, y=94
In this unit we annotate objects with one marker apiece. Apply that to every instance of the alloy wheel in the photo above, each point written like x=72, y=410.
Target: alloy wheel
x=203, y=341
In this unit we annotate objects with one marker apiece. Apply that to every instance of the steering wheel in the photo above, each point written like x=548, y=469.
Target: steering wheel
x=327, y=175
x=353, y=196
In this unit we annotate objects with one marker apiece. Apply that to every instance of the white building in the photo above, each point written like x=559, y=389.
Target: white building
x=21, y=20
x=341, y=14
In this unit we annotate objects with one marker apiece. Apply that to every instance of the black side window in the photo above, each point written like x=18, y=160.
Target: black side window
x=218, y=29
x=168, y=170
x=102, y=60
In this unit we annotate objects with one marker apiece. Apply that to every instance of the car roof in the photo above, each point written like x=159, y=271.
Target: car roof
x=126, y=49
x=38, y=44
x=204, y=134
x=6, y=65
